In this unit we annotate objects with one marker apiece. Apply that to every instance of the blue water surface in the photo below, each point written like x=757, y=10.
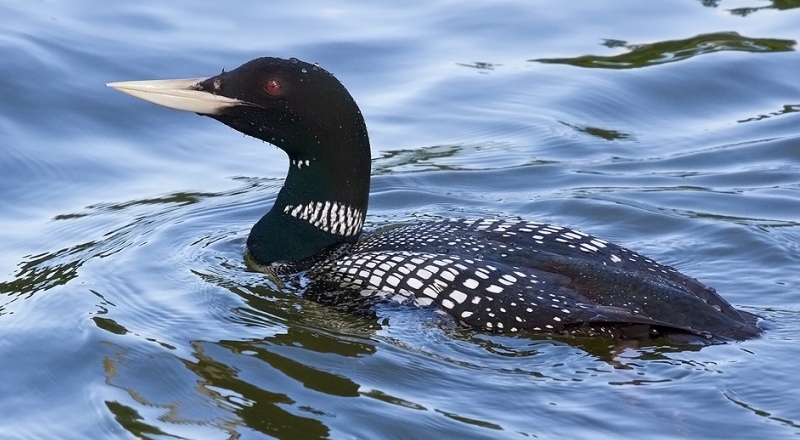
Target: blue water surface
x=126, y=310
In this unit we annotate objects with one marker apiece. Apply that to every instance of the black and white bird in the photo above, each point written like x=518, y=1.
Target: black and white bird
x=492, y=275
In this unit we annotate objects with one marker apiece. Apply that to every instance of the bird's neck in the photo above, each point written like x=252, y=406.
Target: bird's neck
x=323, y=201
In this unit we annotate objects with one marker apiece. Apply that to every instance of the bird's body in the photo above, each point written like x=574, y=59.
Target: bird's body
x=490, y=274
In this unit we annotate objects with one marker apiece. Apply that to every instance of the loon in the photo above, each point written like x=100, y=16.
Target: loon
x=493, y=275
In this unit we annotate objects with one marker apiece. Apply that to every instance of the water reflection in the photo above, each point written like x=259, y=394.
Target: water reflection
x=760, y=412
x=416, y=159
x=643, y=55
x=247, y=382
x=133, y=422
x=602, y=133
x=257, y=408
x=482, y=66
x=780, y=5
x=42, y=272
x=787, y=109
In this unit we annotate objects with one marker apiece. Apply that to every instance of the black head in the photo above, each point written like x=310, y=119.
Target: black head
x=305, y=111
x=288, y=103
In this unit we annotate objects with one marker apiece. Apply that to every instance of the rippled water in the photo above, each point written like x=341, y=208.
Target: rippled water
x=126, y=310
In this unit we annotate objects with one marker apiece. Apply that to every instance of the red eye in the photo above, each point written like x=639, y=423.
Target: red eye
x=272, y=86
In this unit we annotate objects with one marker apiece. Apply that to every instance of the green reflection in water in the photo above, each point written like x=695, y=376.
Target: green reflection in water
x=392, y=400
x=310, y=377
x=602, y=133
x=780, y=5
x=417, y=159
x=469, y=421
x=258, y=409
x=41, y=272
x=45, y=271
x=643, y=55
x=110, y=325
x=787, y=109
x=132, y=421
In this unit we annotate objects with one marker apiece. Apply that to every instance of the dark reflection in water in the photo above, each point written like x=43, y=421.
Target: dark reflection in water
x=780, y=5
x=602, y=133
x=643, y=55
x=219, y=383
x=110, y=325
x=284, y=385
x=396, y=161
x=258, y=408
x=759, y=412
x=38, y=273
x=787, y=109
x=133, y=422
x=44, y=271
x=482, y=66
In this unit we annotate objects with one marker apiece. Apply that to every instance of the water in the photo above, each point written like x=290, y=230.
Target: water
x=125, y=307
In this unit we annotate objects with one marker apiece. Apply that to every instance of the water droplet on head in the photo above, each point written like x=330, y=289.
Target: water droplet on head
x=304, y=70
x=442, y=250
x=294, y=60
x=316, y=66
x=478, y=256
